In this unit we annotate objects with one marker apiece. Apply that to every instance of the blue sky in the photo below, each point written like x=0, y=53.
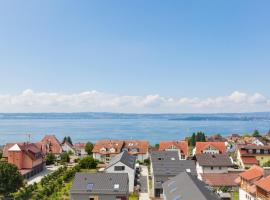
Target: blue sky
x=175, y=49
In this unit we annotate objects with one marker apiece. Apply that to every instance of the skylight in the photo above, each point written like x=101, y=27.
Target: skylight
x=116, y=186
x=89, y=186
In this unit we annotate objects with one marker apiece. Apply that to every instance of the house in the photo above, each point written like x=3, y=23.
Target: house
x=5, y=150
x=67, y=147
x=215, y=138
x=138, y=148
x=50, y=144
x=186, y=186
x=209, y=148
x=105, y=150
x=166, y=165
x=254, y=184
x=80, y=149
x=258, y=141
x=213, y=163
x=100, y=186
x=27, y=157
x=217, y=180
x=123, y=163
x=263, y=188
x=248, y=155
x=180, y=146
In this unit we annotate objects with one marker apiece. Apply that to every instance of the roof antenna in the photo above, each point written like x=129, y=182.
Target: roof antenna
x=29, y=137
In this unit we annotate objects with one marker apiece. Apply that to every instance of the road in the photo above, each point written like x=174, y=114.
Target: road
x=144, y=194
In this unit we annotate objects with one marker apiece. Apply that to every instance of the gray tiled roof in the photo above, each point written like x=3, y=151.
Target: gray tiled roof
x=220, y=160
x=100, y=183
x=186, y=187
x=164, y=156
x=173, y=167
x=125, y=158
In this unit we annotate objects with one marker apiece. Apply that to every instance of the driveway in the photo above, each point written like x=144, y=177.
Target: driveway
x=37, y=178
x=144, y=194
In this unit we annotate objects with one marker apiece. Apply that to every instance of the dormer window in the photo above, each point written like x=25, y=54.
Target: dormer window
x=103, y=149
x=112, y=150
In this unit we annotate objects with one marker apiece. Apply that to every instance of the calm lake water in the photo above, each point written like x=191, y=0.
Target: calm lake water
x=95, y=126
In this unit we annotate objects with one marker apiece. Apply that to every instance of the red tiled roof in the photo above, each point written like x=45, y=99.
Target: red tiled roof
x=108, y=144
x=79, y=146
x=141, y=145
x=200, y=146
x=216, y=179
x=264, y=183
x=249, y=160
x=50, y=144
x=30, y=149
x=252, y=173
x=181, y=145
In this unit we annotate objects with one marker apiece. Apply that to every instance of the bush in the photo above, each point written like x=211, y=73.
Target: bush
x=88, y=162
x=64, y=157
x=50, y=159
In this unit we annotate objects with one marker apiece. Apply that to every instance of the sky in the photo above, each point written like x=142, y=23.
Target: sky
x=134, y=56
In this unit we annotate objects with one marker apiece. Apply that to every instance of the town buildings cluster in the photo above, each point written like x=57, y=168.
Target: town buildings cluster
x=212, y=169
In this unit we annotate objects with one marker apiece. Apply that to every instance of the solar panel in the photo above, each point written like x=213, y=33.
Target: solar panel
x=89, y=186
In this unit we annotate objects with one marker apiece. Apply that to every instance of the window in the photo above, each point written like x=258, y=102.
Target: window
x=119, y=168
x=212, y=168
x=91, y=198
x=219, y=168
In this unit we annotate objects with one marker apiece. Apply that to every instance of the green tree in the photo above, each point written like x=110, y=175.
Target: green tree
x=88, y=162
x=157, y=146
x=50, y=159
x=1, y=155
x=89, y=147
x=10, y=178
x=64, y=157
x=67, y=139
x=267, y=164
x=193, y=140
x=256, y=133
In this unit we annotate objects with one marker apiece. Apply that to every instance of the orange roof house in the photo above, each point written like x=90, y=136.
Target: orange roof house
x=136, y=146
x=27, y=157
x=210, y=147
x=255, y=182
x=50, y=144
x=182, y=146
x=104, y=150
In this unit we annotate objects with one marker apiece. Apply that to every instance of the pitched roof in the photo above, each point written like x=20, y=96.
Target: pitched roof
x=30, y=149
x=125, y=158
x=186, y=187
x=220, y=160
x=79, y=145
x=6, y=148
x=200, y=146
x=50, y=144
x=164, y=156
x=249, y=160
x=217, y=179
x=108, y=144
x=264, y=183
x=167, y=163
x=181, y=145
x=252, y=173
x=141, y=145
x=100, y=183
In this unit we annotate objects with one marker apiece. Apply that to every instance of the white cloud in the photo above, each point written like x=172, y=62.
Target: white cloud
x=30, y=101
